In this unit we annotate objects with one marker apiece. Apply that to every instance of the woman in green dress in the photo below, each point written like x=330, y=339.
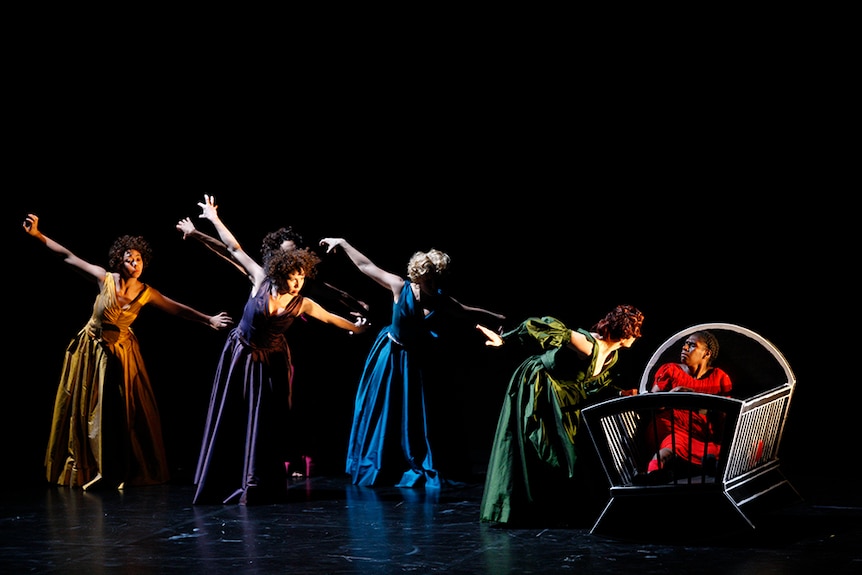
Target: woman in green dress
x=532, y=474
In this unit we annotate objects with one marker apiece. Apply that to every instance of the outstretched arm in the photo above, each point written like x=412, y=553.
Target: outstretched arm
x=343, y=298
x=173, y=307
x=469, y=311
x=388, y=280
x=31, y=226
x=189, y=230
x=318, y=312
x=252, y=268
x=494, y=338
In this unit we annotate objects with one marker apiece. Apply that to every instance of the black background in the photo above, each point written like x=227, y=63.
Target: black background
x=520, y=254
x=698, y=194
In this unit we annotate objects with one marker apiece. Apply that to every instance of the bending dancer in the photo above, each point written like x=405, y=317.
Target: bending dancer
x=392, y=435
x=696, y=373
x=106, y=430
x=245, y=443
x=285, y=238
x=308, y=424
x=532, y=473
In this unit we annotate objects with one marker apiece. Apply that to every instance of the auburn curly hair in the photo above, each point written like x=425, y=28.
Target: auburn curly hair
x=279, y=264
x=622, y=322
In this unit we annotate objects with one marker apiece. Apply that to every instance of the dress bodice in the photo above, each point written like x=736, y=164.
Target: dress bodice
x=410, y=327
x=260, y=328
x=110, y=321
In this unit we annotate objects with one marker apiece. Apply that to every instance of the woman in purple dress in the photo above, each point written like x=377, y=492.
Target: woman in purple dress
x=245, y=441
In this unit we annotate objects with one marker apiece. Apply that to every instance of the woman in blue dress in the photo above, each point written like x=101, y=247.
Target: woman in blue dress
x=532, y=474
x=392, y=435
x=245, y=442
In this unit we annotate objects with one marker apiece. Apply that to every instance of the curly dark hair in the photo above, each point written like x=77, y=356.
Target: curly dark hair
x=125, y=243
x=273, y=240
x=279, y=264
x=711, y=343
x=623, y=322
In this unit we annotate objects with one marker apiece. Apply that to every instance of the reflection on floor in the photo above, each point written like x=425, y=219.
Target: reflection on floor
x=330, y=526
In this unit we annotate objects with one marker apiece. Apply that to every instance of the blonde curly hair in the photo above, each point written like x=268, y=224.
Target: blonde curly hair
x=433, y=263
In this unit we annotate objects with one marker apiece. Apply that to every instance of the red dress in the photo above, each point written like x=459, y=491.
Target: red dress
x=674, y=424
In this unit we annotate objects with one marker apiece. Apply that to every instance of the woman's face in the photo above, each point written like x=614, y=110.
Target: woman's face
x=294, y=283
x=133, y=264
x=694, y=351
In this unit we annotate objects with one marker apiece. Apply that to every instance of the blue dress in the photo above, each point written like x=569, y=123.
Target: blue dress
x=389, y=440
x=245, y=439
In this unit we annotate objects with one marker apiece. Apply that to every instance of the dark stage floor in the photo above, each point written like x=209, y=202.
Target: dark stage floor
x=329, y=526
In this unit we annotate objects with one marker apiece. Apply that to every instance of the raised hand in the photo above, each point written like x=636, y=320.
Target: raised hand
x=186, y=226
x=31, y=224
x=331, y=243
x=209, y=208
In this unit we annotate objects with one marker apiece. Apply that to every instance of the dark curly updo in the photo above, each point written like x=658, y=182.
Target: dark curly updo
x=279, y=264
x=623, y=322
x=125, y=243
x=273, y=240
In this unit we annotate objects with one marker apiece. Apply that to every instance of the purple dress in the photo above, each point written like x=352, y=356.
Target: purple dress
x=245, y=440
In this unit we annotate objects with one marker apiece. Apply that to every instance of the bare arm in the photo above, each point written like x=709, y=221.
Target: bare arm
x=346, y=299
x=318, y=312
x=189, y=230
x=31, y=226
x=252, y=268
x=173, y=307
x=494, y=338
x=468, y=311
x=580, y=342
x=388, y=280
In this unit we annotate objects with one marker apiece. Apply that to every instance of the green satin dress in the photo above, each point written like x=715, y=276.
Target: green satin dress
x=532, y=472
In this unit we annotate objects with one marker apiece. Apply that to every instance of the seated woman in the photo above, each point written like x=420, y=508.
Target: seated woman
x=690, y=436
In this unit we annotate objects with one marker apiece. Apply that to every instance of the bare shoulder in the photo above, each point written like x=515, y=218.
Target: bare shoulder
x=581, y=342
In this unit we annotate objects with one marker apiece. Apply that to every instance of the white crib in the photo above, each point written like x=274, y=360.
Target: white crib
x=745, y=478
